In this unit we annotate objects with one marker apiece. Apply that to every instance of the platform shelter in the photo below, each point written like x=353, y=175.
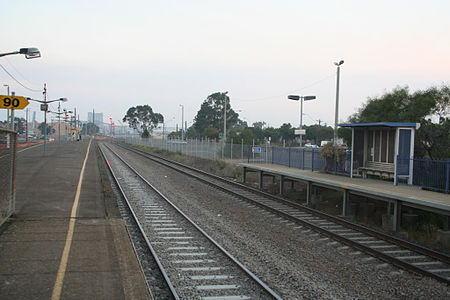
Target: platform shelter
x=385, y=149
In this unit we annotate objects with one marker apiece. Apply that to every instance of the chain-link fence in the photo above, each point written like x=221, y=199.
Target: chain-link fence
x=8, y=144
x=208, y=149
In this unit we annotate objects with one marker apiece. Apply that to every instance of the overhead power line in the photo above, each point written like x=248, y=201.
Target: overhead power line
x=24, y=86
x=284, y=94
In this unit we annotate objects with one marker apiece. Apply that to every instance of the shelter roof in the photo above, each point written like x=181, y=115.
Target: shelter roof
x=382, y=124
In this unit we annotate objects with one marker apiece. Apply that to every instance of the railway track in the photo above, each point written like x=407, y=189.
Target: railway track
x=191, y=263
x=401, y=253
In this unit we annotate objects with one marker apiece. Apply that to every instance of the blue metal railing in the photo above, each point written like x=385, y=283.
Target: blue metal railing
x=309, y=159
x=429, y=173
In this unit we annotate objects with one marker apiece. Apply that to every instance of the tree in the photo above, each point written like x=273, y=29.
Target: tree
x=41, y=127
x=143, y=119
x=420, y=107
x=90, y=128
x=211, y=114
x=287, y=132
x=21, y=123
x=318, y=133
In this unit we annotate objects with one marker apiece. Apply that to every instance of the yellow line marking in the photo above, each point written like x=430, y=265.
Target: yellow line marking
x=344, y=186
x=65, y=255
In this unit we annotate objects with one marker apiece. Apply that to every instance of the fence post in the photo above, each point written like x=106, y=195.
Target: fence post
x=289, y=157
x=242, y=149
x=231, y=149
x=272, y=154
x=447, y=177
x=303, y=158
x=335, y=166
x=312, y=160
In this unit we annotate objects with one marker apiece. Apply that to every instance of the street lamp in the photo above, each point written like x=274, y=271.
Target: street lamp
x=336, y=112
x=182, y=122
x=28, y=52
x=301, y=98
x=44, y=107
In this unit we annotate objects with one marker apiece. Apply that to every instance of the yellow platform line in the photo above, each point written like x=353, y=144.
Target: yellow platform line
x=65, y=255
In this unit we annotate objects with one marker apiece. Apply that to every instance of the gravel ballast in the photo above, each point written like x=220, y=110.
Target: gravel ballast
x=294, y=261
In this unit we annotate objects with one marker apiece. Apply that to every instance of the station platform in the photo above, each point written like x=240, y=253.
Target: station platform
x=66, y=239
x=378, y=189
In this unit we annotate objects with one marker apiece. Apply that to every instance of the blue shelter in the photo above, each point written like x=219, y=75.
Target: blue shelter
x=385, y=149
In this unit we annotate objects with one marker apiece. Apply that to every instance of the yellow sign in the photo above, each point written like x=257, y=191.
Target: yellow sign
x=13, y=102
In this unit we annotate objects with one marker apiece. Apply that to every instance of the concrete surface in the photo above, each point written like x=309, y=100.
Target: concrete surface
x=102, y=263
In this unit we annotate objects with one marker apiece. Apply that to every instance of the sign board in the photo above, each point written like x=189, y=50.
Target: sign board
x=44, y=107
x=256, y=149
x=221, y=135
x=300, y=131
x=13, y=102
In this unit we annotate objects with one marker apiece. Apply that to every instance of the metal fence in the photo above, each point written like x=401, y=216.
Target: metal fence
x=8, y=151
x=202, y=148
x=427, y=173
x=430, y=174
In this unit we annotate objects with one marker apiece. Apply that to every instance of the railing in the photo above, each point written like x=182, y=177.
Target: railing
x=427, y=173
x=8, y=144
x=309, y=159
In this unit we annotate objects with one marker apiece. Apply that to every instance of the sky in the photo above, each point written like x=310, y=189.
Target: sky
x=108, y=56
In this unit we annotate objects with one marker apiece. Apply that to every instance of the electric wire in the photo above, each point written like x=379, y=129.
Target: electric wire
x=284, y=94
x=24, y=86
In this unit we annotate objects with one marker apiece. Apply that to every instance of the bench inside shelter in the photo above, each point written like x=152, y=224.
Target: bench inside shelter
x=381, y=169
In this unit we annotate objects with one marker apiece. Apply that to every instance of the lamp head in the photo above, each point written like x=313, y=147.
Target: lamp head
x=30, y=52
x=294, y=97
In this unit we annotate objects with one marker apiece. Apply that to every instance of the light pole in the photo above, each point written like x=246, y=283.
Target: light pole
x=301, y=98
x=7, y=111
x=44, y=107
x=336, y=112
x=225, y=117
x=182, y=122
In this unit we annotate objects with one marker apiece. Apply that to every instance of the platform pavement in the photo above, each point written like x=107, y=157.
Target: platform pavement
x=101, y=263
x=378, y=188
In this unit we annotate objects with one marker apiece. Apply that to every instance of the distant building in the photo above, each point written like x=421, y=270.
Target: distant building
x=98, y=119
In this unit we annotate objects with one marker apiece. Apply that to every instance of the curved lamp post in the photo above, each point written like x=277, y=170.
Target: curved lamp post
x=44, y=107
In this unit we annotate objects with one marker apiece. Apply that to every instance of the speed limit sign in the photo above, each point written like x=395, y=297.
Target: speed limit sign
x=13, y=102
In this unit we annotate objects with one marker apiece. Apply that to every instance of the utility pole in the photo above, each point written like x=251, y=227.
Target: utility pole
x=26, y=125
x=45, y=118
x=182, y=122
x=336, y=112
x=225, y=118
x=12, y=113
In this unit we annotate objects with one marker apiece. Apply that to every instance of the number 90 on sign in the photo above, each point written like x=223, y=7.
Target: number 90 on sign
x=16, y=102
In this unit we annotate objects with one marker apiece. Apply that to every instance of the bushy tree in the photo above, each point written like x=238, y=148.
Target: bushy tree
x=143, y=119
x=211, y=114
x=42, y=127
x=432, y=138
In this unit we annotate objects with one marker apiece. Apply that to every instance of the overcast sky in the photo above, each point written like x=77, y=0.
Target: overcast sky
x=111, y=55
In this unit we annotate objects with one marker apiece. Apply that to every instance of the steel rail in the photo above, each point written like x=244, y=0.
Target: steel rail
x=369, y=231
x=141, y=230
x=258, y=281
